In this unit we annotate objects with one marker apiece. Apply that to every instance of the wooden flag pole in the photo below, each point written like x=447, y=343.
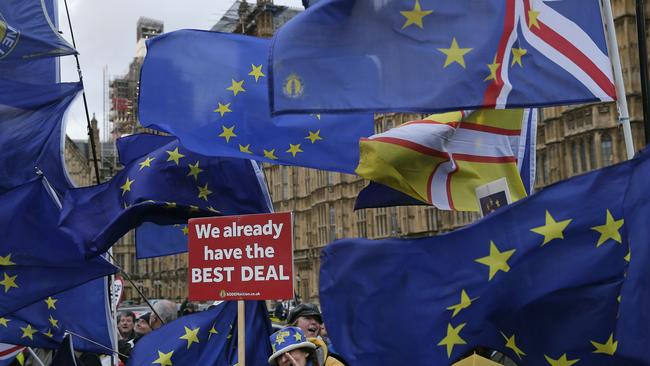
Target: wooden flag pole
x=612, y=44
x=241, y=333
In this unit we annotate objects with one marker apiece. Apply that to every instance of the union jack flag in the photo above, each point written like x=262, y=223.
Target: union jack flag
x=8, y=352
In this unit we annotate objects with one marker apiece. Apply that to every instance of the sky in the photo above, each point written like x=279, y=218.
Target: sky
x=105, y=35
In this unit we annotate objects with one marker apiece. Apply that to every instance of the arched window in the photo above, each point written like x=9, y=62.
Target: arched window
x=606, y=149
x=583, y=157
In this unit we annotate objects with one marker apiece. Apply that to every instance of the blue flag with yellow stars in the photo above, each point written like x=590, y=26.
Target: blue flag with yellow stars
x=153, y=240
x=211, y=90
x=30, y=132
x=438, y=55
x=82, y=310
x=27, y=32
x=558, y=278
x=161, y=182
x=36, y=258
x=207, y=338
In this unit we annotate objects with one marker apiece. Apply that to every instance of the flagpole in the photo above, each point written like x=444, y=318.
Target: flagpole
x=33, y=354
x=623, y=112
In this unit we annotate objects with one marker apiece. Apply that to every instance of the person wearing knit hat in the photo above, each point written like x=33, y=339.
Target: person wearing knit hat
x=291, y=348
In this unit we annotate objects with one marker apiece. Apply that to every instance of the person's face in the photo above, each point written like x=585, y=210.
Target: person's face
x=309, y=324
x=142, y=327
x=296, y=357
x=125, y=324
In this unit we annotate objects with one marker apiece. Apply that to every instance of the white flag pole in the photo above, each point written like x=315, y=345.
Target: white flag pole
x=612, y=45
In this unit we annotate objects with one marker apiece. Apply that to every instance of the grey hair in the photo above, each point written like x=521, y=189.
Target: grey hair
x=166, y=310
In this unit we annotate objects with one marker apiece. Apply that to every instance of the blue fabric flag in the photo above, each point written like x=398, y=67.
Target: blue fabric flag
x=557, y=277
x=207, y=338
x=28, y=32
x=64, y=356
x=36, y=258
x=82, y=310
x=162, y=182
x=30, y=132
x=8, y=353
x=153, y=240
x=210, y=89
x=436, y=55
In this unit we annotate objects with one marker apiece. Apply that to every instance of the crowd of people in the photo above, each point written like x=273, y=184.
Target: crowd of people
x=302, y=342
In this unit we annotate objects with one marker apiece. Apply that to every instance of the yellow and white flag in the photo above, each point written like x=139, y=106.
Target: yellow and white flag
x=442, y=159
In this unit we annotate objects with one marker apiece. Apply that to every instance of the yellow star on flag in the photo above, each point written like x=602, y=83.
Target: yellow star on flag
x=415, y=16
x=608, y=348
x=236, y=87
x=9, y=282
x=164, y=359
x=454, y=54
x=517, y=53
x=452, y=338
x=270, y=154
x=204, y=192
x=551, y=229
x=54, y=322
x=223, y=109
x=6, y=260
x=497, y=261
x=212, y=331
x=256, y=72
x=628, y=256
x=494, y=66
x=562, y=361
x=194, y=170
x=185, y=230
x=194, y=208
x=170, y=204
x=191, y=336
x=294, y=149
x=50, y=302
x=28, y=332
x=212, y=209
x=245, y=149
x=510, y=343
x=126, y=187
x=228, y=132
x=532, y=19
x=4, y=321
x=314, y=136
x=48, y=333
x=146, y=162
x=464, y=303
x=609, y=230
x=174, y=156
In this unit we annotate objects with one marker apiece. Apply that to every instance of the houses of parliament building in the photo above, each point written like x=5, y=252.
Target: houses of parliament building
x=570, y=140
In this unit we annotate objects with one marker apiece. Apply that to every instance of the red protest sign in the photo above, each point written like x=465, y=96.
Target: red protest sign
x=246, y=257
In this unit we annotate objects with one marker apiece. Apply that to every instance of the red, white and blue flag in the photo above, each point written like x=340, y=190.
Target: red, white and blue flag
x=8, y=352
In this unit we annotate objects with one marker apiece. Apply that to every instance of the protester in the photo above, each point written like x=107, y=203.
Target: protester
x=125, y=324
x=292, y=348
x=166, y=310
x=308, y=318
x=142, y=326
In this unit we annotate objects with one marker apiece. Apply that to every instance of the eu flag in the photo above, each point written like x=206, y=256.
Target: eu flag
x=27, y=32
x=153, y=240
x=81, y=310
x=36, y=258
x=437, y=55
x=161, y=182
x=556, y=278
x=211, y=90
x=30, y=132
x=207, y=338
